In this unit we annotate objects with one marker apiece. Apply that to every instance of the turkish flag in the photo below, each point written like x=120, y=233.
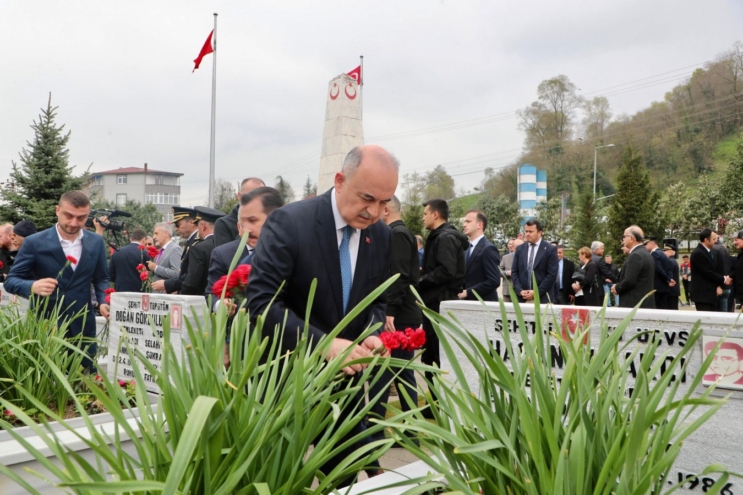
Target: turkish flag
x=205, y=50
x=574, y=321
x=356, y=74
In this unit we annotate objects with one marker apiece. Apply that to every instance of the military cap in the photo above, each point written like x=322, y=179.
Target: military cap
x=649, y=238
x=208, y=214
x=668, y=248
x=183, y=212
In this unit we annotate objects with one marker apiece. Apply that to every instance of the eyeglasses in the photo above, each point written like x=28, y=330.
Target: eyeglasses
x=725, y=359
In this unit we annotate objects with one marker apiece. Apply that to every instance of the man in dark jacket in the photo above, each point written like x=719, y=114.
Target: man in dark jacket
x=724, y=265
x=482, y=275
x=563, y=292
x=402, y=309
x=636, y=278
x=122, y=269
x=738, y=269
x=199, y=255
x=604, y=273
x=663, y=275
x=225, y=229
x=535, y=259
x=443, y=269
x=675, y=294
x=707, y=281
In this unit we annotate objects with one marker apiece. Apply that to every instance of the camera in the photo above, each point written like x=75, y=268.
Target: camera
x=110, y=224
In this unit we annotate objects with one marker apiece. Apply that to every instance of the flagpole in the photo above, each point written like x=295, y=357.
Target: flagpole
x=214, y=113
x=361, y=89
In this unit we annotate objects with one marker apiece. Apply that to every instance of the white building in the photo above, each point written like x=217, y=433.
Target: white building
x=162, y=189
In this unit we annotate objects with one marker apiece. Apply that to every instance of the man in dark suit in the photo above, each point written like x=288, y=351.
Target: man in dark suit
x=663, y=274
x=37, y=267
x=225, y=229
x=737, y=272
x=195, y=282
x=123, y=265
x=482, y=274
x=706, y=279
x=675, y=294
x=538, y=257
x=636, y=276
x=563, y=284
x=604, y=273
x=335, y=239
x=186, y=223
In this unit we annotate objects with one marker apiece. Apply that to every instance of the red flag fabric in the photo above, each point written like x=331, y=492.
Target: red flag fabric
x=205, y=50
x=356, y=74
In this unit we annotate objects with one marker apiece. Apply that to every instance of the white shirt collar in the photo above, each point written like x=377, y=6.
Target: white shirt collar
x=636, y=246
x=339, y=222
x=166, y=244
x=474, y=243
x=77, y=239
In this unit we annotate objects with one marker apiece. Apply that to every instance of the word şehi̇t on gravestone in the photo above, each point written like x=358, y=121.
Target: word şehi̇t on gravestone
x=137, y=320
x=718, y=441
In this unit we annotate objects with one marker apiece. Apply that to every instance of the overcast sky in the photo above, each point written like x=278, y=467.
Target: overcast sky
x=121, y=76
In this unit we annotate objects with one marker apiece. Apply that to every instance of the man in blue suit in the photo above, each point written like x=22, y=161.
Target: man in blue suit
x=538, y=257
x=123, y=265
x=335, y=238
x=43, y=256
x=482, y=275
x=663, y=278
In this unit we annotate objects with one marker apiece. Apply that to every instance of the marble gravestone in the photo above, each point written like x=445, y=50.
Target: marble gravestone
x=718, y=441
x=11, y=300
x=137, y=321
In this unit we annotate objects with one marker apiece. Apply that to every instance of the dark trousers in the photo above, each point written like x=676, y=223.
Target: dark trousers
x=673, y=302
x=562, y=298
x=687, y=288
x=431, y=354
x=661, y=300
x=706, y=306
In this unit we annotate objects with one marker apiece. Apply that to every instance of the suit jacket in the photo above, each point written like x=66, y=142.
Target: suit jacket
x=401, y=301
x=544, y=268
x=568, y=268
x=220, y=261
x=663, y=272
x=168, y=264
x=198, y=267
x=482, y=274
x=225, y=228
x=41, y=256
x=173, y=285
x=592, y=285
x=636, y=279
x=123, y=268
x=705, y=276
x=676, y=289
x=298, y=245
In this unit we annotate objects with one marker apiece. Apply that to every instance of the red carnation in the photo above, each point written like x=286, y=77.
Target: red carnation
x=152, y=252
x=110, y=290
x=72, y=260
x=142, y=247
x=218, y=286
x=416, y=338
x=390, y=340
x=143, y=276
x=107, y=299
x=2, y=265
x=239, y=277
x=122, y=383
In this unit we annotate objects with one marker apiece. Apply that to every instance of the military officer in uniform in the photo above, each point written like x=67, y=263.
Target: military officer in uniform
x=195, y=282
x=185, y=222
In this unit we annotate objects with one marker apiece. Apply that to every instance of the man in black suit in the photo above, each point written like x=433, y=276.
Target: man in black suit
x=225, y=229
x=604, y=273
x=336, y=239
x=538, y=257
x=663, y=274
x=122, y=269
x=636, y=276
x=186, y=222
x=565, y=268
x=199, y=255
x=706, y=279
x=737, y=273
x=482, y=259
x=675, y=294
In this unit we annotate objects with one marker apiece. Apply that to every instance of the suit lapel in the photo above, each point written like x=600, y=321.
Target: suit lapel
x=480, y=246
x=84, y=256
x=540, y=252
x=57, y=250
x=327, y=239
x=363, y=264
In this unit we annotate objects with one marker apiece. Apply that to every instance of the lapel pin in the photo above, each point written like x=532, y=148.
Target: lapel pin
x=368, y=241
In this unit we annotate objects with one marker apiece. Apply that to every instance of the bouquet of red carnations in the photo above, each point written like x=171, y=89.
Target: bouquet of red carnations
x=410, y=339
x=233, y=284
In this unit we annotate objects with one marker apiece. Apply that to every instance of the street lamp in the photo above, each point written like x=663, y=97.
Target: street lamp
x=595, y=150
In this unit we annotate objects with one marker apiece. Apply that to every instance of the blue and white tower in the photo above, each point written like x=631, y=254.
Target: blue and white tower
x=532, y=189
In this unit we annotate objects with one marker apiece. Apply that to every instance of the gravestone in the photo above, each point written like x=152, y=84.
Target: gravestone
x=718, y=441
x=11, y=300
x=139, y=318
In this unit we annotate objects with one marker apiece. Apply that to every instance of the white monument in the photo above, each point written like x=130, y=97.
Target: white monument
x=344, y=129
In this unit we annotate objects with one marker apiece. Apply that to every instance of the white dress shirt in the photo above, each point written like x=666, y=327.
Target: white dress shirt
x=72, y=248
x=473, y=245
x=353, y=242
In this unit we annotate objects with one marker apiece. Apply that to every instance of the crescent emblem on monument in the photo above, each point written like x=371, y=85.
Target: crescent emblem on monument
x=337, y=91
x=350, y=97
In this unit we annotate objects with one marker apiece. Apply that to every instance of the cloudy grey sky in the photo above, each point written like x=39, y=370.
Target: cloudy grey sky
x=121, y=75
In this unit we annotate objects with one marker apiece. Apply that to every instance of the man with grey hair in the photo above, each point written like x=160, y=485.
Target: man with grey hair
x=604, y=272
x=167, y=264
x=637, y=274
x=505, y=265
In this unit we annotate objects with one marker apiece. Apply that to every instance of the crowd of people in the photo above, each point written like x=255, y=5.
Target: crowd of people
x=350, y=240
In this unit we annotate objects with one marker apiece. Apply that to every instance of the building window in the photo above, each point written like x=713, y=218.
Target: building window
x=159, y=180
x=121, y=199
x=162, y=199
x=98, y=181
x=121, y=179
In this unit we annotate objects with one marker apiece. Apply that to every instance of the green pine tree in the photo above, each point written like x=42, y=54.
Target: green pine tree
x=730, y=190
x=412, y=215
x=636, y=202
x=585, y=225
x=43, y=176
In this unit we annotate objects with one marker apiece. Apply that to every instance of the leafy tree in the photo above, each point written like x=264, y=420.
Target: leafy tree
x=412, y=215
x=705, y=204
x=584, y=223
x=439, y=184
x=285, y=189
x=225, y=196
x=672, y=204
x=548, y=213
x=143, y=216
x=597, y=117
x=413, y=186
x=43, y=175
x=504, y=218
x=731, y=187
x=548, y=121
x=309, y=189
x=635, y=202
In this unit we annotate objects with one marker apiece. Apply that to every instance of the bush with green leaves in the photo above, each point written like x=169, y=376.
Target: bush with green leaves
x=246, y=429
x=526, y=431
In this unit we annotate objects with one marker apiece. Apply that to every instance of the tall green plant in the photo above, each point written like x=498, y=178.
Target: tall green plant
x=525, y=431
